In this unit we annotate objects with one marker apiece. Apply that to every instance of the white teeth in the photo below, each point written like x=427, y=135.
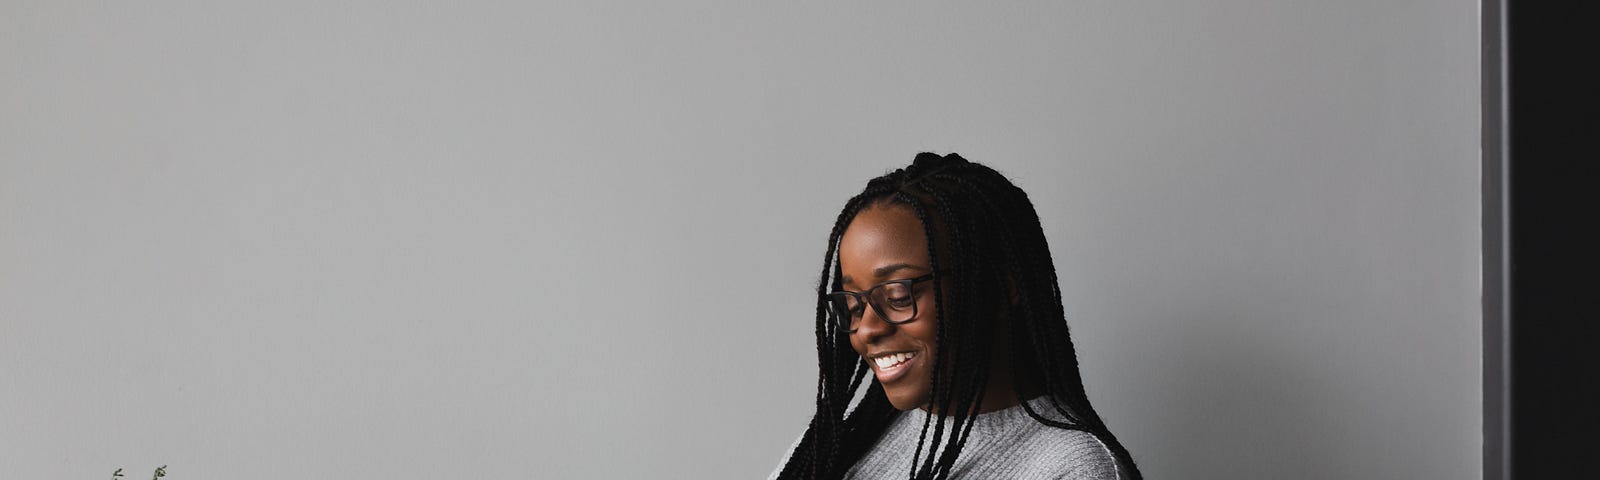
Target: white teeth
x=887, y=361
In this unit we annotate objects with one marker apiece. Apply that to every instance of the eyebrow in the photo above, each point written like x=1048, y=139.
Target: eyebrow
x=883, y=271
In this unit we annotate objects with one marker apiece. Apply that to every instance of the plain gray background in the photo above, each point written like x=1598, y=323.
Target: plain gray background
x=578, y=239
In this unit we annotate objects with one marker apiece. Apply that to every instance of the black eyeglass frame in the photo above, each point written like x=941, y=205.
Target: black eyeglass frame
x=866, y=298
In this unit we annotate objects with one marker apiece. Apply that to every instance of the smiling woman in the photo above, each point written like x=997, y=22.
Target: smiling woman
x=984, y=367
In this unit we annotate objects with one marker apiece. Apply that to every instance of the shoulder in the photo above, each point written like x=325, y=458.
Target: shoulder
x=1058, y=453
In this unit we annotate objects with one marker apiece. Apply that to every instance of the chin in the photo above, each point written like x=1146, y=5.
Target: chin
x=906, y=400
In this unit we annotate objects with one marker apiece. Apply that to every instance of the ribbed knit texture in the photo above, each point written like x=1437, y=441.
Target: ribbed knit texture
x=1004, y=444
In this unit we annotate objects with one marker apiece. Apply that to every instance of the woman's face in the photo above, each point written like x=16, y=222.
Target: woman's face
x=886, y=242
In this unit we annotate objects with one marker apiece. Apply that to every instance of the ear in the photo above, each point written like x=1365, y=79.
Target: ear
x=1011, y=290
x=1012, y=295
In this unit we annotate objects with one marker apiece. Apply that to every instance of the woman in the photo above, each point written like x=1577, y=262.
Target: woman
x=985, y=369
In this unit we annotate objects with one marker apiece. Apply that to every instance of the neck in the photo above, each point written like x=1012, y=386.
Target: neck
x=1000, y=393
x=1003, y=387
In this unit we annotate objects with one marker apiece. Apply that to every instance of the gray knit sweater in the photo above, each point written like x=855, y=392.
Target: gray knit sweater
x=1004, y=444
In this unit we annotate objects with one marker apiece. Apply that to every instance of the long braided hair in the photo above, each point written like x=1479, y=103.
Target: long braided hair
x=994, y=252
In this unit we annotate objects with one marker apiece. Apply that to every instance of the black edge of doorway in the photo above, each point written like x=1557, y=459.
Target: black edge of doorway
x=1552, y=300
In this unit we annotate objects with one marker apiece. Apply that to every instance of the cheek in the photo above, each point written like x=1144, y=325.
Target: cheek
x=926, y=331
x=927, y=324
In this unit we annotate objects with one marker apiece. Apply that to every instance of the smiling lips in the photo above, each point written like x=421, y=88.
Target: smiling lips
x=892, y=366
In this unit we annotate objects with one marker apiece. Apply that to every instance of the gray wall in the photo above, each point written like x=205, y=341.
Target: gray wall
x=575, y=240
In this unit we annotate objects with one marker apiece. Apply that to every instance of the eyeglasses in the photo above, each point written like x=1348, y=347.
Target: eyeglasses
x=894, y=301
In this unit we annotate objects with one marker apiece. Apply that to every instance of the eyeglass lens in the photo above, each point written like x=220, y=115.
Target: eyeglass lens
x=892, y=301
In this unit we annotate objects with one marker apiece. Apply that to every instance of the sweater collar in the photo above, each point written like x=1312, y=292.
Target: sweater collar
x=989, y=423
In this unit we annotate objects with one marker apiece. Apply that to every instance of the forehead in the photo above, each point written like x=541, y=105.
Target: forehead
x=881, y=235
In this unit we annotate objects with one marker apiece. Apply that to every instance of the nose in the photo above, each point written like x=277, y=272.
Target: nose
x=872, y=327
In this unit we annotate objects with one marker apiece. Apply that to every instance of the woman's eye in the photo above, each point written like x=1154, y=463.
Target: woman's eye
x=900, y=302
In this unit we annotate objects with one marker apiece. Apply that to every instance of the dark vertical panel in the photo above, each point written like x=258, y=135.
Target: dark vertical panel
x=1553, y=297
